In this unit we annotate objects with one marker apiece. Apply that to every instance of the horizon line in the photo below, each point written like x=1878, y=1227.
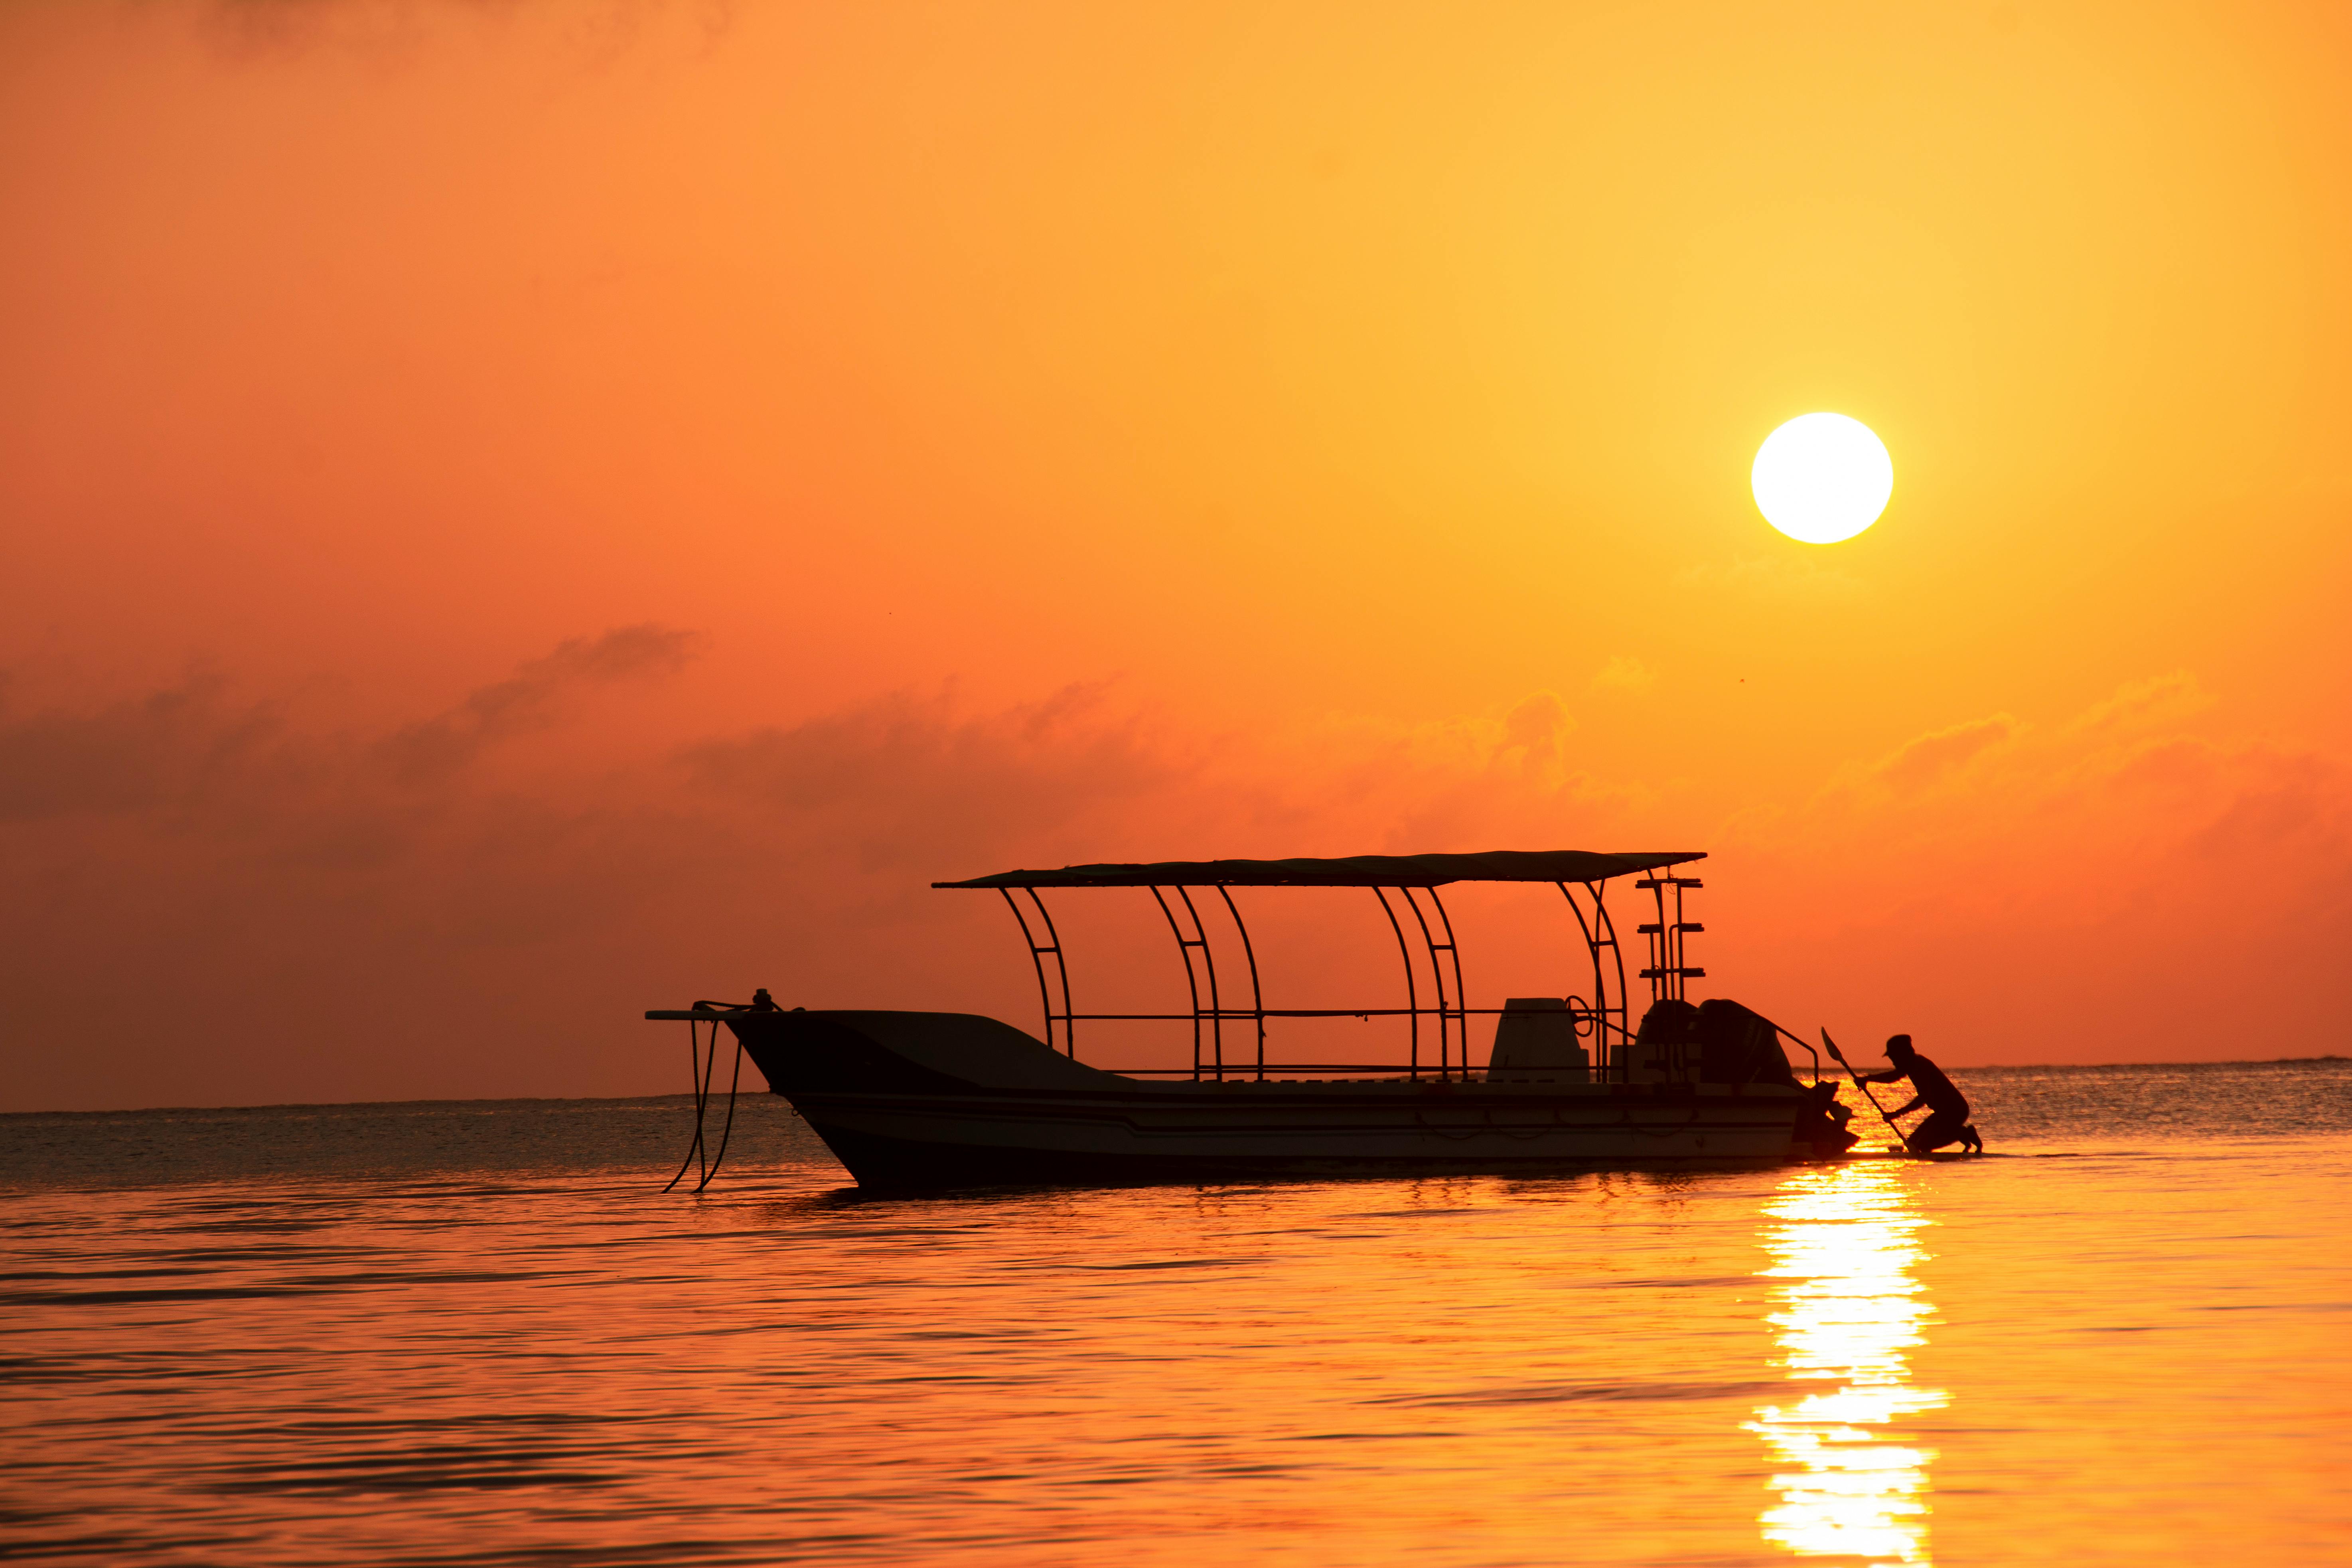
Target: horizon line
x=688, y=1095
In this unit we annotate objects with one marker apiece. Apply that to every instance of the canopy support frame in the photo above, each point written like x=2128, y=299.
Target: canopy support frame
x=1257, y=995
x=1449, y=1014
x=1185, y=946
x=1601, y=931
x=1452, y=1007
x=1067, y=1016
x=1610, y=1013
x=1411, y=990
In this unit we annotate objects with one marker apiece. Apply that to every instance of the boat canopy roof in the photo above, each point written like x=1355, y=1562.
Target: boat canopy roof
x=1350, y=871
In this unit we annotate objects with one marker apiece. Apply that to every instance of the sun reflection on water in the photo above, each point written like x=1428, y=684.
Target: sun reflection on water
x=1849, y=1312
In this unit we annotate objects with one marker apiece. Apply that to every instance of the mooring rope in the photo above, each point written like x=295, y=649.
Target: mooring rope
x=727, y=1130
x=700, y=1069
x=694, y=1083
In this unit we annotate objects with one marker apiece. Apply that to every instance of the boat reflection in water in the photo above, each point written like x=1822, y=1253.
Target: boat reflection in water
x=1849, y=1312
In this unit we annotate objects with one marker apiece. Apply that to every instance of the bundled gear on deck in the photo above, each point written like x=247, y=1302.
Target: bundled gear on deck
x=1738, y=1045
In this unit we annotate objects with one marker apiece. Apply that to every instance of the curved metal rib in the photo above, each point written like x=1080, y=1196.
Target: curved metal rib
x=1209, y=964
x=1411, y=992
x=1257, y=996
x=1067, y=1016
x=1445, y=1014
x=1184, y=952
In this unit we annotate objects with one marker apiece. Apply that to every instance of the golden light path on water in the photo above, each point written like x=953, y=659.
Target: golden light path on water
x=1848, y=1311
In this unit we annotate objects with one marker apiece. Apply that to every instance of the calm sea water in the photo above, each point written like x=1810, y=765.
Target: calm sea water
x=480, y=1333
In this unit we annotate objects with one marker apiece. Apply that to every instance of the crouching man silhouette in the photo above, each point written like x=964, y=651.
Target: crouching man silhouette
x=1948, y=1108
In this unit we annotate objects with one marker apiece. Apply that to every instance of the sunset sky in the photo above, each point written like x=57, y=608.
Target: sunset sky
x=516, y=513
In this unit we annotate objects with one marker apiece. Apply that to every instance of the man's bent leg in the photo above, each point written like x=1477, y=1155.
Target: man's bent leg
x=1940, y=1128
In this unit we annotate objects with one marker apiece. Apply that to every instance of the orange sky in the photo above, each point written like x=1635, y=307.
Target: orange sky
x=516, y=513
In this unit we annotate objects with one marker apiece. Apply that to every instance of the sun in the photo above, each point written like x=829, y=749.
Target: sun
x=1821, y=478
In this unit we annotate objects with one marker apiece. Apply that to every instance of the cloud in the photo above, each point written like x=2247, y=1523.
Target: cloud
x=2140, y=704
x=190, y=853
x=2279, y=806
x=534, y=698
x=188, y=792
x=1934, y=756
x=2112, y=886
x=910, y=779
x=1536, y=729
x=166, y=748
x=196, y=853
x=590, y=33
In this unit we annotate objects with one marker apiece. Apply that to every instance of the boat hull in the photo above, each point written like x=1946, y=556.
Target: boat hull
x=903, y=1142
x=938, y=1100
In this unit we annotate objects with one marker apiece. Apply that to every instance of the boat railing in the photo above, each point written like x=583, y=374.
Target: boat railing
x=1606, y=1059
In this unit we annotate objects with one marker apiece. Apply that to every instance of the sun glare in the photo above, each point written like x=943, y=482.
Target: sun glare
x=1821, y=478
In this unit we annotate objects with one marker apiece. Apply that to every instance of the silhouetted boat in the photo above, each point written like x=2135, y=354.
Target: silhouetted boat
x=945, y=1099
